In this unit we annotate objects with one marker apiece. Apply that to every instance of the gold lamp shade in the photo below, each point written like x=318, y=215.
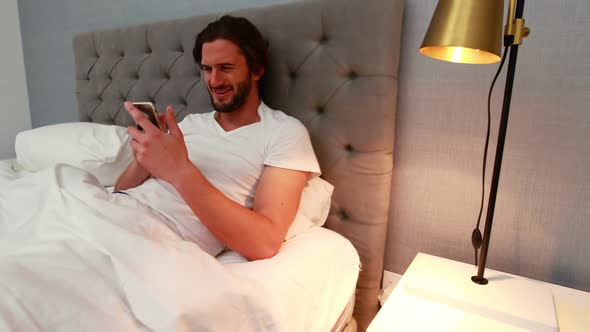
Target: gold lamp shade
x=465, y=31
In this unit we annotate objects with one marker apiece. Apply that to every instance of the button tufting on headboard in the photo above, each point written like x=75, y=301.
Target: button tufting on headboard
x=352, y=75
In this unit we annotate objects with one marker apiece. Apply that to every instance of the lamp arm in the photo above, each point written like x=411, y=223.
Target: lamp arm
x=479, y=278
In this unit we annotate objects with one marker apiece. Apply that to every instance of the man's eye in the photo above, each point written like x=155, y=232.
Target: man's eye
x=205, y=68
x=226, y=68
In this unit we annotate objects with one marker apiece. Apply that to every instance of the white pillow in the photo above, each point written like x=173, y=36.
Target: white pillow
x=96, y=148
x=104, y=151
x=313, y=208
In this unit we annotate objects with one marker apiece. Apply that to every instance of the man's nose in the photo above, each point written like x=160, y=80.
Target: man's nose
x=216, y=78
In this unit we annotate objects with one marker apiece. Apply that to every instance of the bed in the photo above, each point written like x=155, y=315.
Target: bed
x=334, y=66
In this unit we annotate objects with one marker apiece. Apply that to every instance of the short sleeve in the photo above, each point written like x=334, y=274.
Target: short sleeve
x=290, y=147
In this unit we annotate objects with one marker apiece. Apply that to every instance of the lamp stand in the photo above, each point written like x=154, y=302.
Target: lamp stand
x=508, y=40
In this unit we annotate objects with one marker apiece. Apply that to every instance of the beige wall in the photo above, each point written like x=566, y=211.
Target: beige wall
x=14, y=113
x=542, y=224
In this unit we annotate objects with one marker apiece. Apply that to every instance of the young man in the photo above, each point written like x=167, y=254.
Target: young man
x=240, y=169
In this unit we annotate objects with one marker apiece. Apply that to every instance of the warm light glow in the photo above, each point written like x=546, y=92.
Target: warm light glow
x=460, y=54
x=457, y=54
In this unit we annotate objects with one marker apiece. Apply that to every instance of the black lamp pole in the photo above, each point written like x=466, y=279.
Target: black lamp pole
x=508, y=40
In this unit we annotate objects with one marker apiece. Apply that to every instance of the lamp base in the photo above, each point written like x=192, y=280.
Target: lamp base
x=507, y=303
x=479, y=281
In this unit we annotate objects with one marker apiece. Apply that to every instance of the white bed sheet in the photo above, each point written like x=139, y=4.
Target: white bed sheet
x=314, y=275
x=304, y=287
x=9, y=169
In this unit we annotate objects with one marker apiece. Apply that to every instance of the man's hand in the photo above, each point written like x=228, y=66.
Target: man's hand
x=160, y=153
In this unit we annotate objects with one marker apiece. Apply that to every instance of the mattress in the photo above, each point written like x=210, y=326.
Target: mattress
x=345, y=322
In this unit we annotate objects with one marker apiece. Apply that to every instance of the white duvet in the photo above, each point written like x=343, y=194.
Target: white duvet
x=74, y=257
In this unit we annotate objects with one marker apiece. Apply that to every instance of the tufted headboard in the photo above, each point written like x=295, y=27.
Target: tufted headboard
x=333, y=64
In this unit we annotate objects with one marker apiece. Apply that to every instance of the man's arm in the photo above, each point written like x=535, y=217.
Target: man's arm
x=257, y=233
x=132, y=177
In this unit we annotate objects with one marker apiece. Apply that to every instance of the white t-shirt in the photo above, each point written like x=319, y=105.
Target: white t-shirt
x=233, y=162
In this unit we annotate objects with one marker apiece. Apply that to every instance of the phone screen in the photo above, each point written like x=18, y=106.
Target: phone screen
x=149, y=111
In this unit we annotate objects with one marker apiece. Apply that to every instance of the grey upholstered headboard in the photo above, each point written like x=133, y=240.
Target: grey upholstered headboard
x=334, y=65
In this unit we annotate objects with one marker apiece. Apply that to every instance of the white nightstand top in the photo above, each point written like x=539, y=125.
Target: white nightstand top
x=436, y=294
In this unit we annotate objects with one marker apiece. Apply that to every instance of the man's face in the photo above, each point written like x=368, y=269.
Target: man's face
x=226, y=74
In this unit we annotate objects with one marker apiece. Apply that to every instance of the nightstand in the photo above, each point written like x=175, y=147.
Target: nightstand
x=436, y=294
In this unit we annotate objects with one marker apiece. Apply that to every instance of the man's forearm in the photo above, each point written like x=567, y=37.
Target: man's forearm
x=249, y=233
x=132, y=177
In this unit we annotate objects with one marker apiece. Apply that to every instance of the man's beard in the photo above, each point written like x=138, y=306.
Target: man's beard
x=238, y=99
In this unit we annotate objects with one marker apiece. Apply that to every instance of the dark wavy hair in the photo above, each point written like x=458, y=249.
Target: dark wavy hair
x=239, y=31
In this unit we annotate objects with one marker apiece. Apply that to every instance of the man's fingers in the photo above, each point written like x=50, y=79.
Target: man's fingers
x=139, y=118
x=162, y=119
x=137, y=148
x=135, y=145
x=172, y=123
x=138, y=152
x=135, y=134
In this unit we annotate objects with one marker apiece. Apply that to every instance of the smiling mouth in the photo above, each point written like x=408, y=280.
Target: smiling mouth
x=222, y=91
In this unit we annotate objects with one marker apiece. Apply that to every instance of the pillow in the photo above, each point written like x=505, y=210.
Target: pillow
x=96, y=148
x=103, y=150
x=313, y=208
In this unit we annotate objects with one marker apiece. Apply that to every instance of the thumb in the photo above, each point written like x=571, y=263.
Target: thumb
x=172, y=123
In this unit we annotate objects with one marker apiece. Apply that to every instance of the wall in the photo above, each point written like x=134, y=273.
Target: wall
x=13, y=89
x=542, y=217
x=48, y=28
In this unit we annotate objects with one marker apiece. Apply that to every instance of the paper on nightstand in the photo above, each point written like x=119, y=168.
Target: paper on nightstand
x=517, y=302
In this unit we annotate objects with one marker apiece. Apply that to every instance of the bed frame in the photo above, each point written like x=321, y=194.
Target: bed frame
x=333, y=65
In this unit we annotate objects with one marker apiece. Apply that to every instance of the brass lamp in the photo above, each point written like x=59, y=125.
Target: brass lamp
x=465, y=31
x=470, y=31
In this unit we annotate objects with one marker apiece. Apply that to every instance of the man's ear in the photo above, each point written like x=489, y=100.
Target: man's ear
x=258, y=73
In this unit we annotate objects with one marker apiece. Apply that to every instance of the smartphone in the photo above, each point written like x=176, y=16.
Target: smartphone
x=149, y=111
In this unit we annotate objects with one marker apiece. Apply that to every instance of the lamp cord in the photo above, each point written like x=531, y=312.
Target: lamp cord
x=476, y=238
